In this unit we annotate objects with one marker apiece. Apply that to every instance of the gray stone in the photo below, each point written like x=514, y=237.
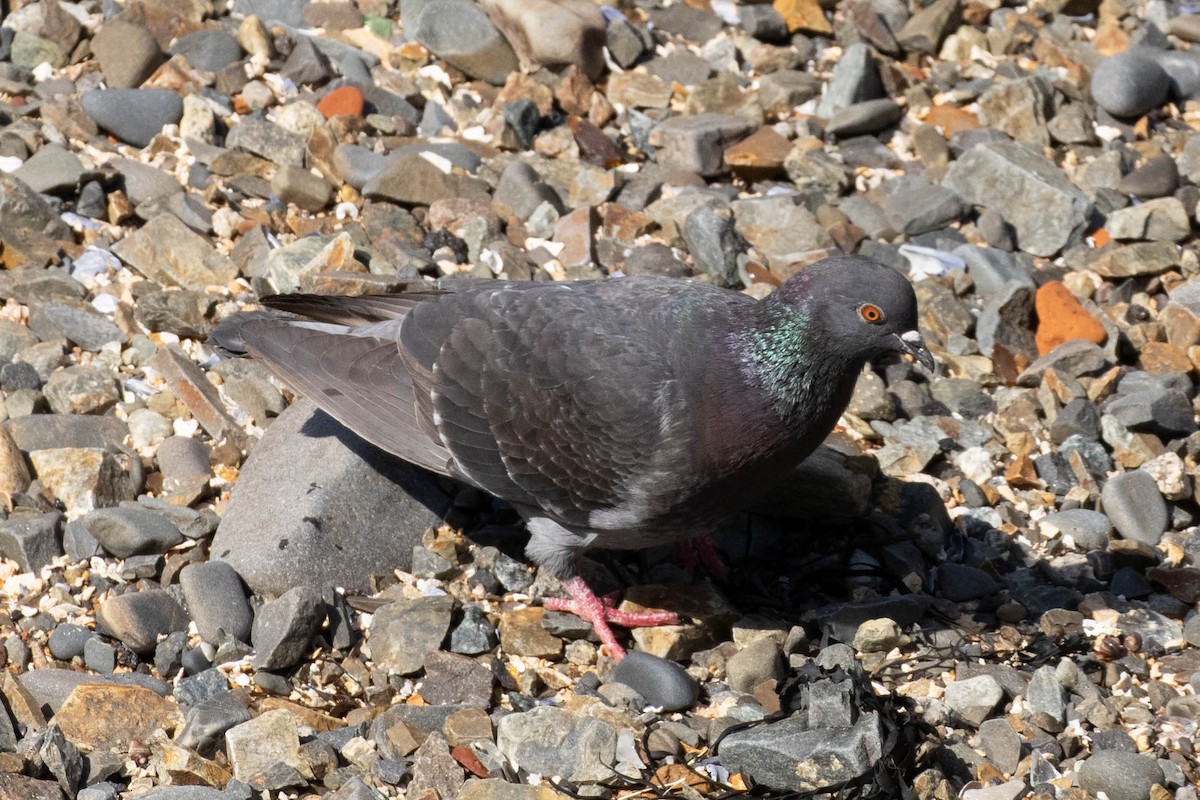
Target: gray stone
x=924, y=31
x=1159, y=219
x=974, y=699
x=552, y=33
x=284, y=628
x=715, y=244
x=128, y=531
x=1034, y=195
x=523, y=190
x=144, y=184
x=554, y=741
x=409, y=178
x=51, y=169
x=357, y=165
x=257, y=745
x=1087, y=529
x=1001, y=744
x=475, y=634
x=1130, y=84
x=205, y=724
x=31, y=540
x=276, y=530
x=867, y=117
x=1166, y=412
x=453, y=679
x=757, y=662
x=267, y=140
x=1136, y=507
x=1076, y=357
x=462, y=34
x=168, y=252
x=135, y=116
x=209, y=49
x=925, y=208
x=1020, y=108
x=216, y=600
x=1045, y=694
x=127, y=51
x=139, y=618
x=403, y=631
x=1120, y=775
x=660, y=682
x=960, y=582
x=697, y=142
x=434, y=770
x=302, y=188
x=67, y=641
x=1158, y=177
x=306, y=64
x=855, y=79
x=786, y=756
x=81, y=390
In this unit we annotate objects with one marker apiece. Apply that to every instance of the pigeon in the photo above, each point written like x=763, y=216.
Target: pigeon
x=618, y=413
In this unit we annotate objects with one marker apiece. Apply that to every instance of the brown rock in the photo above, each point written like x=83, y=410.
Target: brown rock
x=575, y=231
x=522, y=634
x=467, y=726
x=1142, y=258
x=308, y=717
x=1182, y=583
x=759, y=156
x=185, y=767
x=22, y=787
x=1062, y=318
x=1160, y=357
x=105, y=716
x=341, y=102
x=952, y=119
x=14, y=474
x=25, y=709
x=709, y=612
x=191, y=387
x=803, y=15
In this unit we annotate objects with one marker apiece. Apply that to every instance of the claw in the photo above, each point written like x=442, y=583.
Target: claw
x=600, y=611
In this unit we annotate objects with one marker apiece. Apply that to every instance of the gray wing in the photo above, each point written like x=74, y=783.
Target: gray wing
x=556, y=398
x=357, y=376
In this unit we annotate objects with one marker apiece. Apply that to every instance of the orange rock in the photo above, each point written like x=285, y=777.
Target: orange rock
x=803, y=15
x=1061, y=318
x=952, y=119
x=343, y=101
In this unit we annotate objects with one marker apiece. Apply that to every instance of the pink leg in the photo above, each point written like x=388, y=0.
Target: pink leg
x=702, y=551
x=706, y=550
x=600, y=612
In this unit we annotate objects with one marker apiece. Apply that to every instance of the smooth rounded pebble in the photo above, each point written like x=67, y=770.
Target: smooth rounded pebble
x=1136, y=507
x=1130, y=84
x=1120, y=775
x=133, y=115
x=663, y=683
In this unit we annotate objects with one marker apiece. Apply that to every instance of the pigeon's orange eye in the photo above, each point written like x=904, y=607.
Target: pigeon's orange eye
x=872, y=314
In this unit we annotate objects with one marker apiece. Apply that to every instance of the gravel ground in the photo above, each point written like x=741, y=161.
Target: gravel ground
x=985, y=586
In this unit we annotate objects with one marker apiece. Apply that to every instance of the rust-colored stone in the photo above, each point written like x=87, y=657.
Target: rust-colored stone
x=342, y=101
x=1062, y=318
x=106, y=716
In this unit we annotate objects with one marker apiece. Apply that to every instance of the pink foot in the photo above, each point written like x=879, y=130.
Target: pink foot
x=600, y=611
x=703, y=551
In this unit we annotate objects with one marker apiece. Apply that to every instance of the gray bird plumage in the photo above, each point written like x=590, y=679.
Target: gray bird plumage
x=620, y=413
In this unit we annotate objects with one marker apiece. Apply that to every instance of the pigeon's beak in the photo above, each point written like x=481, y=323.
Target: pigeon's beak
x=910, y=342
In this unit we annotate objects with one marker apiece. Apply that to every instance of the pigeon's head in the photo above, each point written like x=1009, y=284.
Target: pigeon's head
x=862, y=308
